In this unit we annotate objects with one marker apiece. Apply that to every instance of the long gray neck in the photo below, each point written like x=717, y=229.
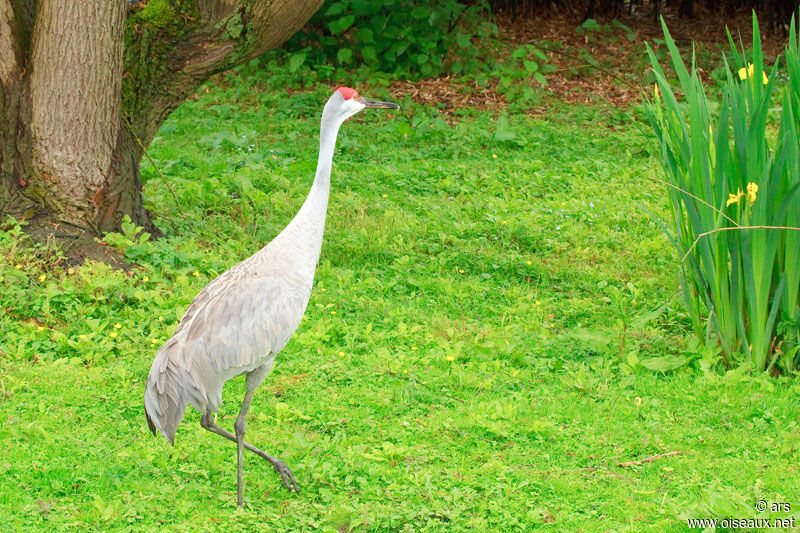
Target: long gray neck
x=318, y=197
x=328, y=131
x=307, y=227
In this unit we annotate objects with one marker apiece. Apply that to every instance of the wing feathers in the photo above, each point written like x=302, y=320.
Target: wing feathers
x=236, y=323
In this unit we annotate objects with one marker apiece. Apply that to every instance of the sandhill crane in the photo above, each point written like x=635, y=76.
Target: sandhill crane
x=240, y=321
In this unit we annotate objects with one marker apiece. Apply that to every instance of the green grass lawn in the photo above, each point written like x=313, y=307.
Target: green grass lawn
x=480, y=352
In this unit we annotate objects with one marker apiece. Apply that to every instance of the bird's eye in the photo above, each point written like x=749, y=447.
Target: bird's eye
x=355, y=96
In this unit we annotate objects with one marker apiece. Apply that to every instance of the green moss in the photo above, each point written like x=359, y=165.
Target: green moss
x=234, y=26
x=170, y=16
x=150, y=34
x=158, y=14
x=36, y=191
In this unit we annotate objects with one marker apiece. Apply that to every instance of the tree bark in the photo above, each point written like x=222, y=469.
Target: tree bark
x=13, y=109
x=75, y=106
x=85, y=85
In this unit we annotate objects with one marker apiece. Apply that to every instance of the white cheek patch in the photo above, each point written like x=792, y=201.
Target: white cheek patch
x=351, y=107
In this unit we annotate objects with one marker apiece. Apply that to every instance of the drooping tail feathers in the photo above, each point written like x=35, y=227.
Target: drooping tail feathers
x=165, y=397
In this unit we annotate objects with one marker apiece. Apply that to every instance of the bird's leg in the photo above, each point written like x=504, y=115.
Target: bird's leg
x=287, y=476
x=239, y=426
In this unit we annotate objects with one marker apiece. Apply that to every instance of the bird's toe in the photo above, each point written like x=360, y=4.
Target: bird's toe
x=286, y=475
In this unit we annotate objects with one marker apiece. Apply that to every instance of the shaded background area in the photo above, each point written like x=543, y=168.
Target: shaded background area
x=774, y=13
x=522, y=54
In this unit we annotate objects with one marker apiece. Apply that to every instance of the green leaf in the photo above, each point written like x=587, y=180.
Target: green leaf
x=463, y=40
x=647, y=316
x=519, y=53
x=531, y=66
x=399, y=48
x=335, y=9
x=420, y=12
x=296, y=61
x=344, y=55
x=539, y=54
x=504, y=132
x=365, y=35
x=341, y=24
x=540, y=79
x=666, y=363
x=369, y=54
x=590, y=25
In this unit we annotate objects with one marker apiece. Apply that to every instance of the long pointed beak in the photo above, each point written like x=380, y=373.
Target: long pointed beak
x=378, y=104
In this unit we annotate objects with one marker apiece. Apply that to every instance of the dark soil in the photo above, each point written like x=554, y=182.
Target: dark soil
x=76, y=245
x=620, y=79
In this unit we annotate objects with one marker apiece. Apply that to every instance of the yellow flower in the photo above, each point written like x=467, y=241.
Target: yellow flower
x=322, y=289
x=145, y=279
x=752, y=192
x=82, y=336
x=494, y=156
x=18, y=267
x=117, y=325
x=460, y=271
x=333, y=312
x=405, y=371
x=39, y=328
x=745, y=72
x=734, y=198
x=748, y=72
x=656, y=91
x=637, y=401
x=153, y=341
x=528, y=262
x=413, y=348
x=341, y=354
x=450, y=358
x=113, y=334
x=42, y=277
x=196, y=274
x=505, y=222
x=386, y=196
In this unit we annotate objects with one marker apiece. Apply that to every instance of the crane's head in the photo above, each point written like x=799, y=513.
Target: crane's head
x=346, y=102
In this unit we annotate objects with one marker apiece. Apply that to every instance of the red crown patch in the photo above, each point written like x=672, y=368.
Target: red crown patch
x=347, y=92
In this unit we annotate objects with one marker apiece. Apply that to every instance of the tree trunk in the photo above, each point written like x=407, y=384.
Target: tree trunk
x=84, y=86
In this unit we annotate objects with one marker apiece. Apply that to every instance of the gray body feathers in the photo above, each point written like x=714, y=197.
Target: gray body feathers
x=238, y=322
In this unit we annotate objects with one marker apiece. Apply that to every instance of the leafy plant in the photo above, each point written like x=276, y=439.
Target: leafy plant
x=734, y=200
x=516, y=76
x=398, y=37
x=591, y=29
x=594, y=31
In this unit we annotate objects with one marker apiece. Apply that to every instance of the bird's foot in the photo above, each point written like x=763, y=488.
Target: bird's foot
x=286, y=475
